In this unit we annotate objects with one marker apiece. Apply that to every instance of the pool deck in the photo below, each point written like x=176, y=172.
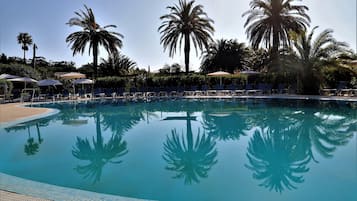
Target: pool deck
x=15, y=111
x=11, y=196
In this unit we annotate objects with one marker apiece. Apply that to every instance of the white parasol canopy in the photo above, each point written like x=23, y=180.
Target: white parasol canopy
x=83, y=81
x=73, y=75
x=219, y=74
x=7, y=76
x=23, y=79
x=249, y=72
x=48, y=82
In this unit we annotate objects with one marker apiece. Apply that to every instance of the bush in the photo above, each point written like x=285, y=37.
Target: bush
x=6, y=87
x=20, y=70
x=112, y=82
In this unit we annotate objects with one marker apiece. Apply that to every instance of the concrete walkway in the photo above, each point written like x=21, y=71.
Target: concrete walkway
x=10, y=196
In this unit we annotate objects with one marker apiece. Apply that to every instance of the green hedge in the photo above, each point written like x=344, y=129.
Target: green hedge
x=20, y=70
x=184, y=81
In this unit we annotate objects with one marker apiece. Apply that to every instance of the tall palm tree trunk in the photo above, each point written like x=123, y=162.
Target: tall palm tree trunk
x=275, y=50
x=24, y=56
x=187, y=52
x=95, y=59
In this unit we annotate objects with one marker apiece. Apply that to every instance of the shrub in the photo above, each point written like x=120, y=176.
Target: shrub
x=6, y=87
x=20, y=70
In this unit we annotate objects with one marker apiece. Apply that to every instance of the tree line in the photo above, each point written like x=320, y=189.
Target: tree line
x=279, y=43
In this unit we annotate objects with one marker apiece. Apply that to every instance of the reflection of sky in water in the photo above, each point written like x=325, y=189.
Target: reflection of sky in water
x=192, y=150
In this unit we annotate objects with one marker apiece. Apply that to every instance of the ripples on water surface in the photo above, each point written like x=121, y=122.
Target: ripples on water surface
x=182, y=150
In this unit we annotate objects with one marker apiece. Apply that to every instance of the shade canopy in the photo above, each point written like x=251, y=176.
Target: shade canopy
x=249, y=72
x=48, y=82
x=73, y=75
x=8, y=76
x=23, y=79
x=218, y=73
x=83, y=81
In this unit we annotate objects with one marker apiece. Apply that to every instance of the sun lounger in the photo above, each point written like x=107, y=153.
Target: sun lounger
x=345, y=92
x=162, y=94
x=328, y=92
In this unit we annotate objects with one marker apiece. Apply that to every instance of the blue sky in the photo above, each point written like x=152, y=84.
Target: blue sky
x=138, y=21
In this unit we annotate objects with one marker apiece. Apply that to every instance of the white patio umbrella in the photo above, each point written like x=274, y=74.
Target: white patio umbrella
x=219, y=74
x=83, y=81
x=23, y=79
x=48, y=82
x=248, y=73
x=8, y=76
x=72, y=75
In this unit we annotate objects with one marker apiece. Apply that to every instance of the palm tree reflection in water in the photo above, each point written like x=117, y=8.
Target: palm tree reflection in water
x=190, y=159
x=100, y=154
x=281, y=148
x=276, y=158
x=31, y=147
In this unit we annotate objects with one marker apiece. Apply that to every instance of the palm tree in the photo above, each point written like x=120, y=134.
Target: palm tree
x=271, y=22
x=259, y=59
x=117, y=64
x=100, y=154
x=25, y=40
x=311, y=56
x=226, y=55
x=190, y=159
x=94, y=34
x=188, y=22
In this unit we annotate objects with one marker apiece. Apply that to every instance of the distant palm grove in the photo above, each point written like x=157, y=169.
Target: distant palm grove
x=283, y=49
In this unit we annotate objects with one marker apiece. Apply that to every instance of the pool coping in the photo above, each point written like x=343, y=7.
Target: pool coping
x=52, y=192
x=48, y=112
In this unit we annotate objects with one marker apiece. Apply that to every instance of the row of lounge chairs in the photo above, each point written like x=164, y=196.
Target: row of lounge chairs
x=176, y=92
x=263, y=89
x=339, y=92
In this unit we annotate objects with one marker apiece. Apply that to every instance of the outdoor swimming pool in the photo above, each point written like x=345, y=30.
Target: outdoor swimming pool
x=199, y=150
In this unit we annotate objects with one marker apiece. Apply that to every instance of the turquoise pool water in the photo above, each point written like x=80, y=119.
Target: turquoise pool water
x=199, y=150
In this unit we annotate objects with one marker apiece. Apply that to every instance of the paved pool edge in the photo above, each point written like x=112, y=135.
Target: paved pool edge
x=52, y=192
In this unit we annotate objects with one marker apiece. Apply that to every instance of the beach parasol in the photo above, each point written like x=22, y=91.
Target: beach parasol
x=83, y=81
x=219, y=74
x=23, y=79
x=7, y=76
x=248, y=73
x=72, y=75
x=48, y=82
